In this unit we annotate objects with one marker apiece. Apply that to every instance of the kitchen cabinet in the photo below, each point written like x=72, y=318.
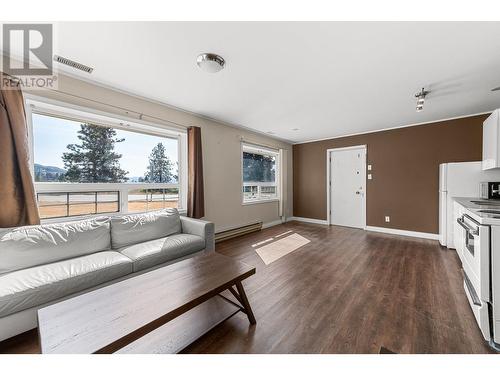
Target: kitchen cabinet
x=491, y=141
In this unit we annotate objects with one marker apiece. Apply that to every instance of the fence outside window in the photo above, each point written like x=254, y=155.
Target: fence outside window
x=255, y=191
x=60, y=200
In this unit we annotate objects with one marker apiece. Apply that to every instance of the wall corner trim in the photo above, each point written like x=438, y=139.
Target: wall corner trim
x=307, y=220
x=407, y=233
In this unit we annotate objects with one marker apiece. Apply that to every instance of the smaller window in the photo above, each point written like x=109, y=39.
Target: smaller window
x=260, y=170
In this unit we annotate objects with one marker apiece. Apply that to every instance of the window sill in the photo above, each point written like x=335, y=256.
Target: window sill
x=248, y=203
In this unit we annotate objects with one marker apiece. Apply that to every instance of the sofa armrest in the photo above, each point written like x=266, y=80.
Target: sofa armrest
x=204, y=229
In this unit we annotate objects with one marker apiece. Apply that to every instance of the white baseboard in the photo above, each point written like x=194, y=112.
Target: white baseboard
x=400, y=232
x=271, y=224
x=307, y=220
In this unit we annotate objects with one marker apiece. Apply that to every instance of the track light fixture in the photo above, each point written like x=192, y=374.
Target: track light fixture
x=421, y=99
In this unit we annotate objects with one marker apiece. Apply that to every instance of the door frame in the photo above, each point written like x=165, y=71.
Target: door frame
x=328, y=179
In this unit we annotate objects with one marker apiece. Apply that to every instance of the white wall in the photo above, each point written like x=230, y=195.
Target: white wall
x=221, y=150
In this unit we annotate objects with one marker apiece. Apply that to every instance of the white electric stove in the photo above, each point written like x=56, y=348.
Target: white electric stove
x=477, y=241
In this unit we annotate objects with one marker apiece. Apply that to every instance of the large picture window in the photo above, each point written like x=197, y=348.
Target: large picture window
x=89, y=165
x=260, y=170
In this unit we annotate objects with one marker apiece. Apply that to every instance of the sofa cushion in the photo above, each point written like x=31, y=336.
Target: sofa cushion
x=151, y=253
x=35, y=286
x=135, y=228
x=34, y=245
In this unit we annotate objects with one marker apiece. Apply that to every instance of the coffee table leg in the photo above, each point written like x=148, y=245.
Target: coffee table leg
x=244, y=301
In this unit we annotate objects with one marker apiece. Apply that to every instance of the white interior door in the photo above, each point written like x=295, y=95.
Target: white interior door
x=348, y=186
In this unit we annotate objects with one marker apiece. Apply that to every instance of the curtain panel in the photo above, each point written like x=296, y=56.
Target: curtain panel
x=17, y=193
x=196, y=199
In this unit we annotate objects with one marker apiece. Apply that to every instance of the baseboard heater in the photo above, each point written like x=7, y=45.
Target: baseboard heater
x=236, y=232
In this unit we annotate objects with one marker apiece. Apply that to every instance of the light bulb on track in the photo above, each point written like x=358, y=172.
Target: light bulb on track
x=421, y=99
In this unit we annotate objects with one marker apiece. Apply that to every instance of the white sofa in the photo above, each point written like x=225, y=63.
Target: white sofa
x=43, y=264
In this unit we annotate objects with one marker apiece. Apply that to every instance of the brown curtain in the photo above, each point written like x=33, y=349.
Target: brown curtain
x=196, y=199
x=17, y=193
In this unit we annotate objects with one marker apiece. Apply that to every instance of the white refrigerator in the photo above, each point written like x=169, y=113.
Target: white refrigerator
x=458, y=180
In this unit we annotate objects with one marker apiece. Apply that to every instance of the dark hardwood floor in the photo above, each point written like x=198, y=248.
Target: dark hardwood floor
x=347, y=291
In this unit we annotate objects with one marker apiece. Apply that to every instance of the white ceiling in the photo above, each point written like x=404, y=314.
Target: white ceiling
x=325, y=79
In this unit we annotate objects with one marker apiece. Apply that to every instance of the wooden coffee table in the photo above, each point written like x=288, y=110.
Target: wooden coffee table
x=161, y=311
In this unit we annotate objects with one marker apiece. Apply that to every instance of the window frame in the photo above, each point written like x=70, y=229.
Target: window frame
x=48, y=107
x=263, y=150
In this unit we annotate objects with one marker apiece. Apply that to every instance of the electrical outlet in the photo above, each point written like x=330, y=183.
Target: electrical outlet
x=369, y=167
x=370, y=176
x=387, y=219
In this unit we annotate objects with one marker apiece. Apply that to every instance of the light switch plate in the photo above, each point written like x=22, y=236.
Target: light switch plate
x=387, y=219
x=370, y=176
x=369, y=167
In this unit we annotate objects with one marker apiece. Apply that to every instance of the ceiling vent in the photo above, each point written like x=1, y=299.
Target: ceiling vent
x=73, y=64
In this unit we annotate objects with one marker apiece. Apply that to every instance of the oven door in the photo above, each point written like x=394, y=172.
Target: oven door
x=476, y=255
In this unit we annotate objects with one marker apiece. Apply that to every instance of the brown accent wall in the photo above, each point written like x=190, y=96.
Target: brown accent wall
x=405, y=169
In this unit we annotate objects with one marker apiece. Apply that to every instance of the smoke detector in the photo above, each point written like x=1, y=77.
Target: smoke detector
x=210, y=62
x=73, y=64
